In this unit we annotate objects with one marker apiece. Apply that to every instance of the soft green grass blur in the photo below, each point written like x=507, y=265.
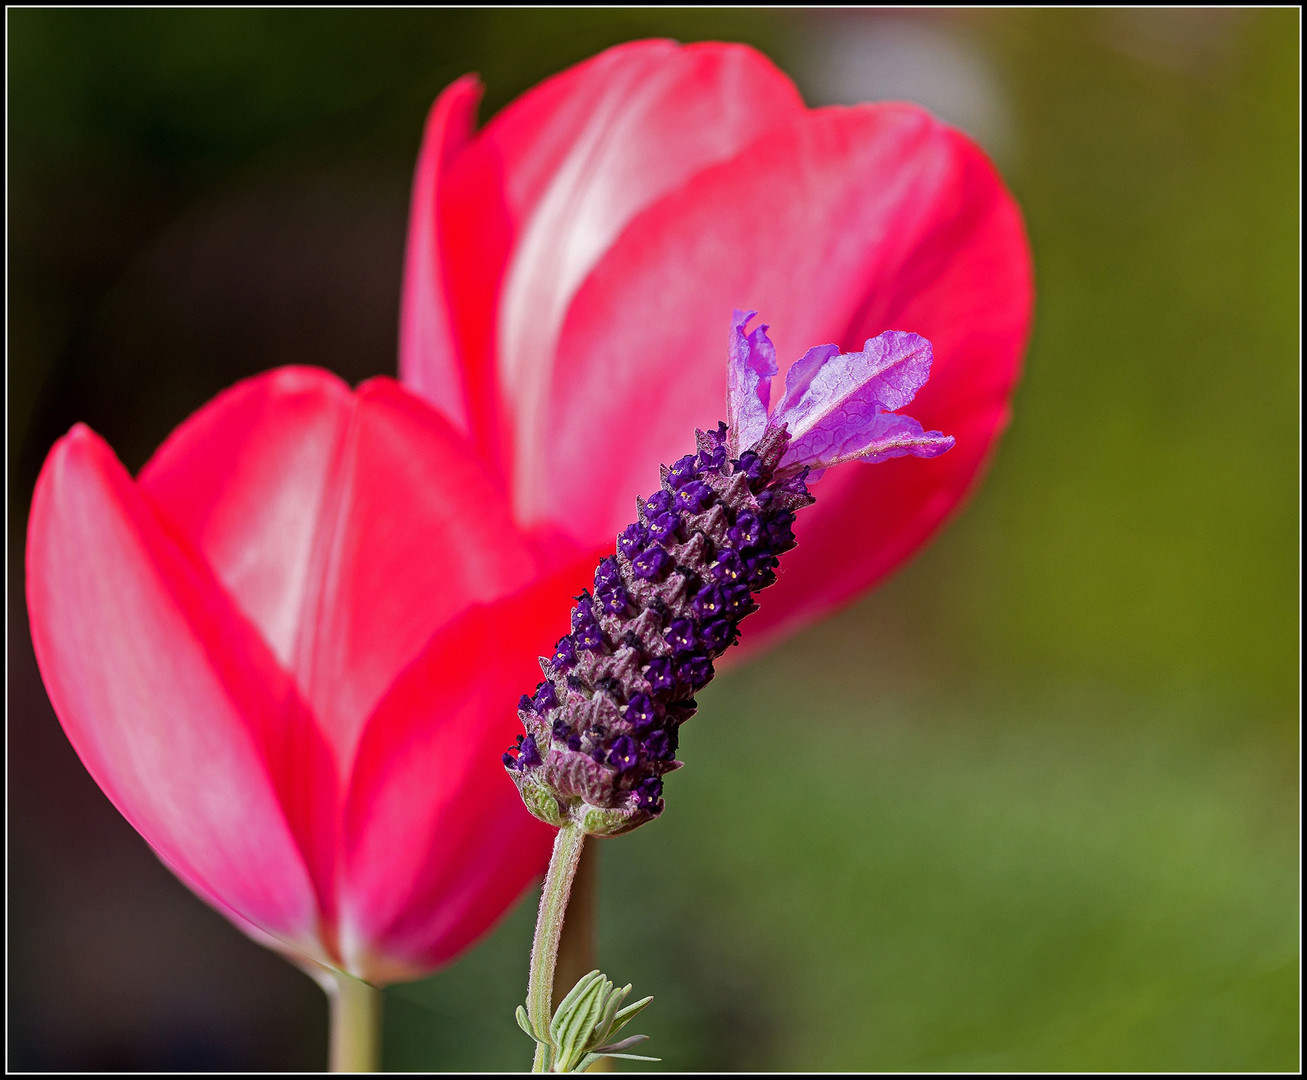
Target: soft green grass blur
x=926, y=884
x=1034, y=804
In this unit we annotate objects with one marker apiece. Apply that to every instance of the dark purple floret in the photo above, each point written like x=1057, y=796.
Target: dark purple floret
x=694, y=671
x=658, y=746
x=657, y=503
x=588, y=636
x=715, y=636
x=564, y=654
x=641, y=711
x=728, y=568
x=736, y=602
x=583, y=613
x=711, y=460
x=659, y=674
x=685, y=469
x=649, y=794
x=632, y=540
x=526, y=704
x=780, y=537
x=663, y=527
x=545, y=697
x=693, y=496
x=528, y=756
x=751, y=465
x=650, y=563
x=612, y=599
x=681, y=635
x=707, y=602
x=746, y=532
x=623, y=754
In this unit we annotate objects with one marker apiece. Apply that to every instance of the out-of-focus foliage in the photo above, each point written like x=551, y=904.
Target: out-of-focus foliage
x=1033, y=805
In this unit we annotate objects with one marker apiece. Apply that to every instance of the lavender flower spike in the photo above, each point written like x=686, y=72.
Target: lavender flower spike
x=601, y=729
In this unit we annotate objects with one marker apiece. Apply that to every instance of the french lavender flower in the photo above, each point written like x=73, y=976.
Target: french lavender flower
x=601, y=729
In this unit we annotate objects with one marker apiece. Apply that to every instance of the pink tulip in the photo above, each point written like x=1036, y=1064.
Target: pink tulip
x=571, y=267
x=273, y=652
x=290, y=650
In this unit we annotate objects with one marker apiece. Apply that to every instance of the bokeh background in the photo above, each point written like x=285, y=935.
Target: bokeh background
x=1032, y=805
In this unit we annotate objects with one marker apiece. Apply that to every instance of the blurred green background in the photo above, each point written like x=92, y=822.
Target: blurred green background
x=1031, y=806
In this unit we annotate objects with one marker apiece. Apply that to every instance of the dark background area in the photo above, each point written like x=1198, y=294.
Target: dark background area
x=1032, y=805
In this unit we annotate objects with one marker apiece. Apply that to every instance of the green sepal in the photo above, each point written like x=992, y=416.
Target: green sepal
x=542, y=802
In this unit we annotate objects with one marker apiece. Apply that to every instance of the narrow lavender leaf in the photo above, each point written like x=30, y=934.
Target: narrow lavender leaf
x=749, y=371
x=839, y=393
x=623, y=1044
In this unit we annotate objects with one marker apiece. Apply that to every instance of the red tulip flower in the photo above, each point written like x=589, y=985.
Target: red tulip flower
x=572, y=266
x=290, y=650
x=269, y=653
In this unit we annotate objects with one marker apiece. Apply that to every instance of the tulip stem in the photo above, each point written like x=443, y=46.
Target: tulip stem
x=355, y=1024
x=549, y=930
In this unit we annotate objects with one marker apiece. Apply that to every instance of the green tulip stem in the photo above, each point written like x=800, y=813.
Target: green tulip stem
x=549, y=930
x=355, y=1024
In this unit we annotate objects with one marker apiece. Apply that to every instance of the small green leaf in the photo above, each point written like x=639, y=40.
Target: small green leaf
x=524, y=1022
x=583, y=1026
x=573, y=1026
x=590, y=1059
x=614, y=1002
x=625, y=1016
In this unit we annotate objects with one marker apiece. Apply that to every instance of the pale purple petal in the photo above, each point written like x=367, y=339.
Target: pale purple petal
x=749, y=371
x=872, y=436
x=840, y=406
x=838, y=391
x=803, y=371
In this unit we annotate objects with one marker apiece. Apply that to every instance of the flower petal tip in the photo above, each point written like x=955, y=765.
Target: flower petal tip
x=750, y=367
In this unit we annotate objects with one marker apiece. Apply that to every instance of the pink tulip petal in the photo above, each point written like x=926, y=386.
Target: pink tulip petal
x=438, y=842
x=347, y=526
x=974, y=307
x=247, y=480
x=430, y=362
x=171, y=699
x=843, y=225
x=537, y=198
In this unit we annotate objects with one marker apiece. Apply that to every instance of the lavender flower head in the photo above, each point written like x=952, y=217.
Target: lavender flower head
x=601, y=729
